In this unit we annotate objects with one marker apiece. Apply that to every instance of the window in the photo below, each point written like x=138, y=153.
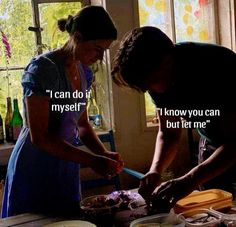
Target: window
x=46, y=15
x=14, y=18
x=186, y=20
x=40, y=16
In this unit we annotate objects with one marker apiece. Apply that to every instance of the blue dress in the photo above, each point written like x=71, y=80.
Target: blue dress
x=37, y=181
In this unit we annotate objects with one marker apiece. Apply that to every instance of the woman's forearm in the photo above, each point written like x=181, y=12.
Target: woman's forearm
x=55, y=146
x=91, y=140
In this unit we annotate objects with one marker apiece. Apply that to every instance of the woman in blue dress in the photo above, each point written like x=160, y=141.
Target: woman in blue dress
x=43, y=170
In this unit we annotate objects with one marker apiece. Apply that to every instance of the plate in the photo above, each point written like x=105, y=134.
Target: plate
x=72, y=223
x=157, y=220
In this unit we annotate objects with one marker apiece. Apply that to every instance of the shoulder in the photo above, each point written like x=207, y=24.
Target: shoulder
x=42, y=66
x=210, y=48
x=40, y=63
x=41, y=72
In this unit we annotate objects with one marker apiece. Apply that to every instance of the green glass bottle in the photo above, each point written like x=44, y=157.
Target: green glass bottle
x=16, y=121
x=8, y=128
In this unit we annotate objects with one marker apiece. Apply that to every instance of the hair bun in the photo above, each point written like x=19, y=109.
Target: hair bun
x=65, y=24
x=62, y=24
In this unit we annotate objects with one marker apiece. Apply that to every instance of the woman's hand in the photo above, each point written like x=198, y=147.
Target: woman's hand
x=148, y=184
x=105, y=166
x=115, y=156
x=168, y=193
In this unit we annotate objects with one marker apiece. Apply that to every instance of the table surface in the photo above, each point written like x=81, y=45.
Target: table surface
x=121, y=219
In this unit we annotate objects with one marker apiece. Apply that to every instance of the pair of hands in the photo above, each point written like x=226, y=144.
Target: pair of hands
x=108, y=164
x=162, y=196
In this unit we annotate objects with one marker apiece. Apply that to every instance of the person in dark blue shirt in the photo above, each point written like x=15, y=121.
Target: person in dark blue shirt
x=188, y=82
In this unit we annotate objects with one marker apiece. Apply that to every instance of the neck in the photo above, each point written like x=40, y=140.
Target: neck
x=65, y=54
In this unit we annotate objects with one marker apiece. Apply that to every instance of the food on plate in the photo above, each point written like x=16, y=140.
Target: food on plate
x=101, y=201
x=72, y=223
x=126, y=197
x=201, y=218
x=104, y=203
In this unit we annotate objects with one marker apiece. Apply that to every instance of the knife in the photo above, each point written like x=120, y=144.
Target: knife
x=133, y=173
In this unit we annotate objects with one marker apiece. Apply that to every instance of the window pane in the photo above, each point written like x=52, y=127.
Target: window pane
x=102, y=92
x=15, y=18
x=194, y=20
x=150, y=107
x=154, y=13
x=10, y=86
x=50, y=13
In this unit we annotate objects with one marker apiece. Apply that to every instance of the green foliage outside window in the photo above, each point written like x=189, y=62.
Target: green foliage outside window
x=15, y=18
x=50, y=13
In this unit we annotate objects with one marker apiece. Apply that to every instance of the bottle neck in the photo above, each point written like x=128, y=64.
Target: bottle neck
x=9, y=108
x=15, y=103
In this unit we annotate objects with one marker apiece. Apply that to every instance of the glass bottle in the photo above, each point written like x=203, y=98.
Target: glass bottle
x=16, y=121
x=8, y=128
x=94, y=113
x=1, y=131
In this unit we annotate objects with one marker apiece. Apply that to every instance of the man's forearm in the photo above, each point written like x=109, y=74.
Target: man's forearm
x=223, y=158
x=165, y=151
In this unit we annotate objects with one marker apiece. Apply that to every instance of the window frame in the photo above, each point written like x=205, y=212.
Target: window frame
x=36, y=18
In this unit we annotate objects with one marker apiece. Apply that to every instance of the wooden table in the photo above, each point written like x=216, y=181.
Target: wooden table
x=27, y=219
x=121, y=219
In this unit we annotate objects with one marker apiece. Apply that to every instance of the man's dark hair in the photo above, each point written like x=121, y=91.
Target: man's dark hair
x=140, y=53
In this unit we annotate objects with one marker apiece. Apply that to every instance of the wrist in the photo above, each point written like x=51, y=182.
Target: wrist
x=102, y=152
x=155, y=169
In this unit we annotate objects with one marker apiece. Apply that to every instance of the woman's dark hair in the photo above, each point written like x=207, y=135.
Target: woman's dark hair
x=140, y=53
x=93, y=22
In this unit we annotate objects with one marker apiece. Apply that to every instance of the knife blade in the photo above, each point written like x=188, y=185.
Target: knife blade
x=133, y=173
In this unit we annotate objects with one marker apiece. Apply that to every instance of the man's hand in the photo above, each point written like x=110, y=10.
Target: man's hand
x=148, y=184
x=168, y=193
